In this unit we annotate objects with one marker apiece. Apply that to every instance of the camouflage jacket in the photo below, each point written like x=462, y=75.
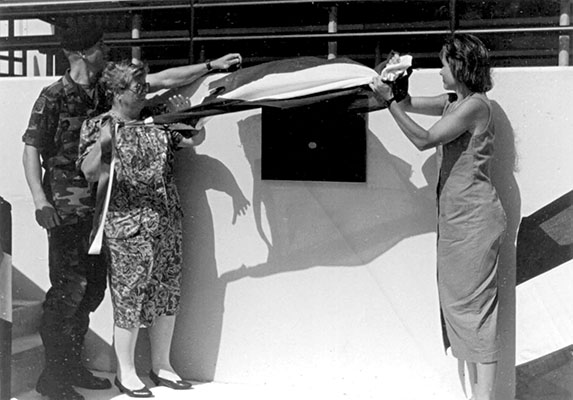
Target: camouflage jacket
x=54, y=129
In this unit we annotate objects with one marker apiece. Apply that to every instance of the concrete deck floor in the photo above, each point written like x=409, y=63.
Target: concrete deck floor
x=556, y=384
x=217, y=391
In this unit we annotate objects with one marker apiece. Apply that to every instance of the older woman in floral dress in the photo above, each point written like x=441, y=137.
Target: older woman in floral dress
x=143, y=225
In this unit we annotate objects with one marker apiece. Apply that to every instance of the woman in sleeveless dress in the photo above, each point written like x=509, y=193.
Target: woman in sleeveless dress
x=471, y=220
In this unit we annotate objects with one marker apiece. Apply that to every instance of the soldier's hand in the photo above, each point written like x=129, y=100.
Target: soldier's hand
x=229, y=61
x=47, y=217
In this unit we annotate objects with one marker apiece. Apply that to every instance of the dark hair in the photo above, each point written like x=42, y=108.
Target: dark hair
x=117, y=77
x=469, y=62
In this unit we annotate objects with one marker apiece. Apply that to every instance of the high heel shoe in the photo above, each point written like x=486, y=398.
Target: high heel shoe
x=143, y=392
x=177, y=385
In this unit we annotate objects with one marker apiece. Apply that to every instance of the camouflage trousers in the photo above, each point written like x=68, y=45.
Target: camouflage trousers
x=78, y=283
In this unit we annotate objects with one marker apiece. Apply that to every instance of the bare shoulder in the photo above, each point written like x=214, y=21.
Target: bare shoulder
x=475, y=111
x=476, y=107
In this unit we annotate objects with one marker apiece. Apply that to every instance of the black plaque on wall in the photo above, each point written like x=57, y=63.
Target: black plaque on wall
x=320, y=142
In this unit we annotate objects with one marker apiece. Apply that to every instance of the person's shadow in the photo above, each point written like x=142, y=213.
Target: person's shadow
x=305, y=225
x=333, y=224
x=503, y=170
x=308, y=225
x=201, y=327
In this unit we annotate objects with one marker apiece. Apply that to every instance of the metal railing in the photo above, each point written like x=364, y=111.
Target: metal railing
x=329, y=31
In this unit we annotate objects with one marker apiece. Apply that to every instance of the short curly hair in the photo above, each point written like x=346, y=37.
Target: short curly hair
x=118, y=76
x=469, y=61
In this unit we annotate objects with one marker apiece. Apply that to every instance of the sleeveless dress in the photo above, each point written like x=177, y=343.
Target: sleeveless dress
x=471, y=225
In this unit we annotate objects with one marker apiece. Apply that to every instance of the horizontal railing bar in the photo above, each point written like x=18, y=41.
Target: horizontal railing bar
x=28, y=43
x=331, y=36
x=20, y=44
x=273, y=2
x=43, y=8
x=371, y=27
x=8, y=58
x=51, y=11
x=84, y=3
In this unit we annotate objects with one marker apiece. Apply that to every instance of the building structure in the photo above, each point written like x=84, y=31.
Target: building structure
x=329, y=296
x=176, y=32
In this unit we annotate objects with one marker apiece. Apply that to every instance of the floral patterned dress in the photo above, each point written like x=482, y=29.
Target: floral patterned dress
x=143, y=225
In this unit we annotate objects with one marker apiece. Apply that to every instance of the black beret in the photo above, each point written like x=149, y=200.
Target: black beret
x=81, y=37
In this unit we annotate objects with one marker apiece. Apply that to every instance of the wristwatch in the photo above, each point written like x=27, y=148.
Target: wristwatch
x=209, y=66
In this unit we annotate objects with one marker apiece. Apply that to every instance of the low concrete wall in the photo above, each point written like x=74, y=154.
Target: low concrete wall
x=325, y=285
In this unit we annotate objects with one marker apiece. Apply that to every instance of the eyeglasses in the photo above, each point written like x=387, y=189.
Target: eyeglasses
x=140, y=89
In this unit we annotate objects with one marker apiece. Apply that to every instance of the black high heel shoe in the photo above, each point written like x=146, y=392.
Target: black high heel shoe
x=177, y=385
x=143, y=392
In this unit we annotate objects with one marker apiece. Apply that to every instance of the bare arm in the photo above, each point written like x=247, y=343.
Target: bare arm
x=33, y=173
x=470, y=114
x=445, y=130
x=178, y=76
x=431, y=105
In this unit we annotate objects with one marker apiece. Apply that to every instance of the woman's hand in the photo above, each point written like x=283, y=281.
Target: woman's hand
x=179, y=102
x=192, y=137
x=382, y=91
x=199, y=136
x=227, y=61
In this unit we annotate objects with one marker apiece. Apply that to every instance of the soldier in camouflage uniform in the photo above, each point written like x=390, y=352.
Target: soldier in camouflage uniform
x=64, y=206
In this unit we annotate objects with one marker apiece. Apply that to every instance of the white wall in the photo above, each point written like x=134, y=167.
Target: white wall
x=28, y=239
x=536, y=101
x=322, y=284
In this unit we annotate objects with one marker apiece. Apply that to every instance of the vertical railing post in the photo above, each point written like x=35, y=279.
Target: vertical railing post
x=377, y=54
x=136, y=34
x=564, y=40
x=191, y=32
x=24, y=63
x=202, y=56
x=50, y=63
x=332, y=28
x=11, y=34
x=5, y=299
x=453, y=17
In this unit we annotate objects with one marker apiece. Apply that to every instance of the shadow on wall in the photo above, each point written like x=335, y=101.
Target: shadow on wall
x=311, y=224
x=333, y=224
x=203, y=325
x=504, y=166
x=318, y=224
